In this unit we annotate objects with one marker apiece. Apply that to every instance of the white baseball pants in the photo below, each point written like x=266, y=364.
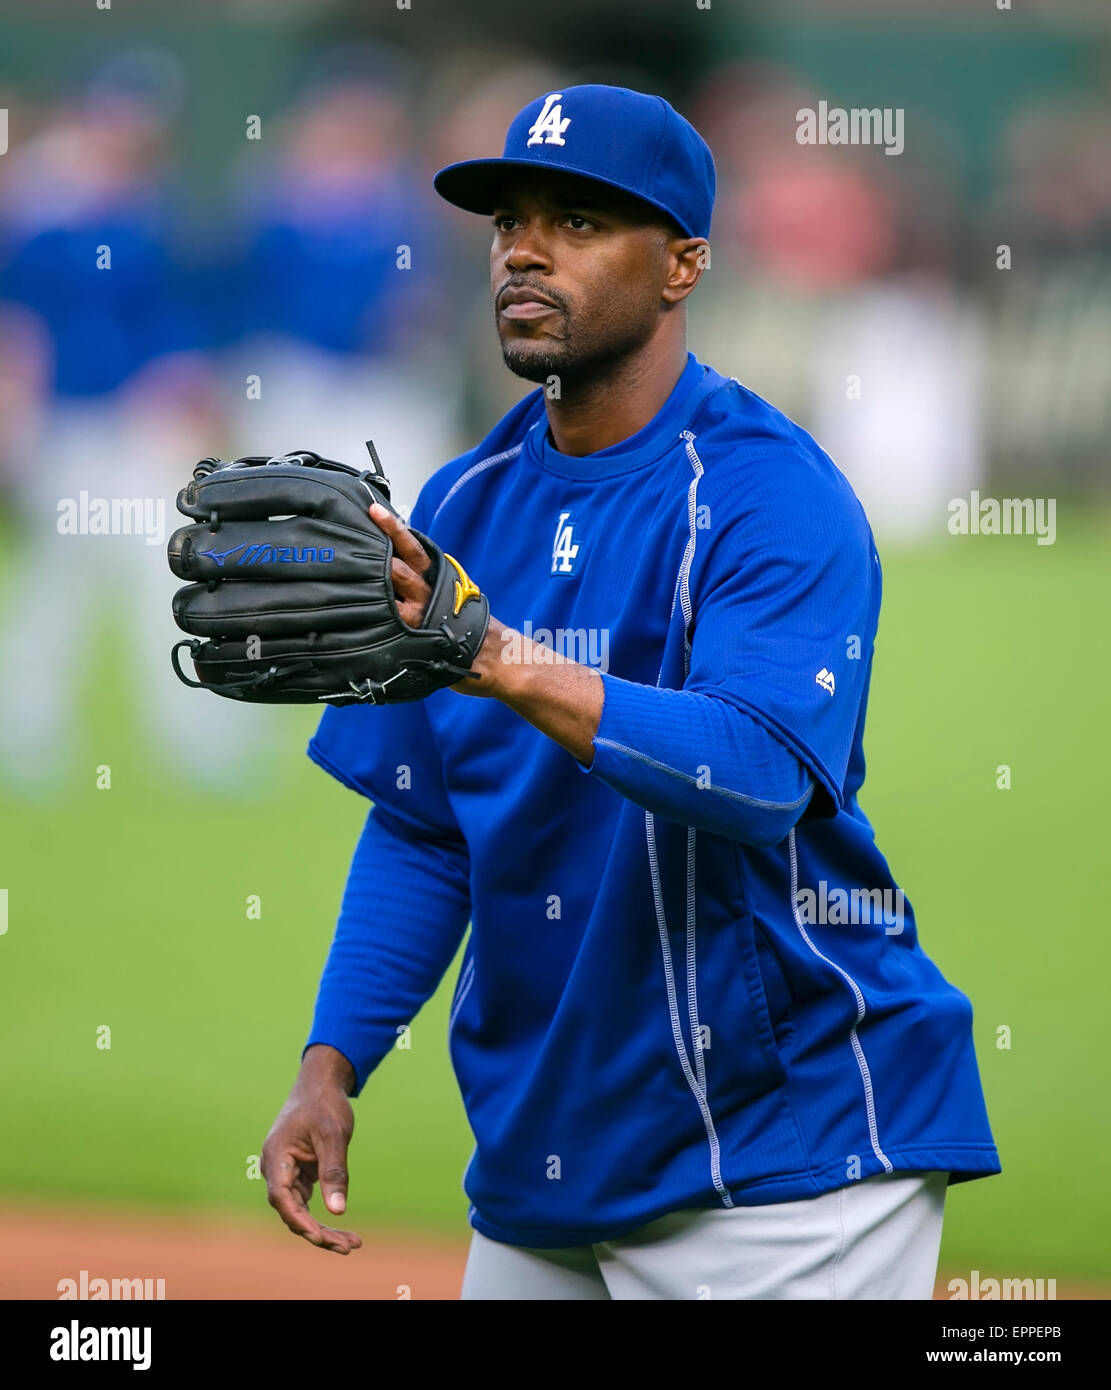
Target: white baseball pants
x=875, y=1239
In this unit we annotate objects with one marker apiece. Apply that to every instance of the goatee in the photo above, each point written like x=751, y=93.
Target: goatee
x=532, y=366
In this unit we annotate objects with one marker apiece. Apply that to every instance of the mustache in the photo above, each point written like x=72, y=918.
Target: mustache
x=544, y=291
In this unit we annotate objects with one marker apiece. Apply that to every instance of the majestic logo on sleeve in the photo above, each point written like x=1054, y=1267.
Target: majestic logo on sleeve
x=564, y=548
x=825, y=679
x=550, y=124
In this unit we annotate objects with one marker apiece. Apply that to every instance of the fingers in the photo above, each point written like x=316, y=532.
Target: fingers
x=405, y=544
x=412, y=593
x=331, y=1165
x=286, y=1186
x=411, y=561
x=408, y=585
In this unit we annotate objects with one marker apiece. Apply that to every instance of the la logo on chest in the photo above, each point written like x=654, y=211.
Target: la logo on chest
x=565, y=548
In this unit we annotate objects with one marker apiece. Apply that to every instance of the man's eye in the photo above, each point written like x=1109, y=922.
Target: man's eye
x=578, y=222
x=504, y=221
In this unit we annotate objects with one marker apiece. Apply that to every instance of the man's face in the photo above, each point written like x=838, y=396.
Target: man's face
x=576, y=272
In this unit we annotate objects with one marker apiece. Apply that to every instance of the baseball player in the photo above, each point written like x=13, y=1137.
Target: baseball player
x=701, y=1049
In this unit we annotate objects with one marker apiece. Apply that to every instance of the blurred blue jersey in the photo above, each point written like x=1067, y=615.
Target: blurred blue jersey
x=328, y=267
x=105, y=322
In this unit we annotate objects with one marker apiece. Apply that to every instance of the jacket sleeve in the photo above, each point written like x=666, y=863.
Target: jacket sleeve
x=405, y=909
x=697, y=759
x=406, y=903
x=783, y=598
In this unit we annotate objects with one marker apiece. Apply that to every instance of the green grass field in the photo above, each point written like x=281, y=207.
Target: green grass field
x=128, y=908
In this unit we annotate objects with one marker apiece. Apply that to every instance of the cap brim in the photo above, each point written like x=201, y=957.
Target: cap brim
x=474, y=184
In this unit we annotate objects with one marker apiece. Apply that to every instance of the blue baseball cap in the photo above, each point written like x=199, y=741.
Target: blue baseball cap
x=615, y=136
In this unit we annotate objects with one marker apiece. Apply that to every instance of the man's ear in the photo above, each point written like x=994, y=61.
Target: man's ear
x=687, y=258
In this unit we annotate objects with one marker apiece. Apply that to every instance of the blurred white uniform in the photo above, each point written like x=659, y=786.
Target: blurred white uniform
x=887, y=376
x=67, y=587
x=914, y=437
x=332, y=403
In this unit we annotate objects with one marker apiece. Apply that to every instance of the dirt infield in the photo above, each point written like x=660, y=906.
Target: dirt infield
x=210, y=1257
x=206, y=1257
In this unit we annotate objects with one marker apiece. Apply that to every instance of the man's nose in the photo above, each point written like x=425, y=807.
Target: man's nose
x=529, y=251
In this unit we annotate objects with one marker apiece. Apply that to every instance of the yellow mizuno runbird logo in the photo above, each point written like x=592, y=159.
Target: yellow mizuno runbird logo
x=465, y=587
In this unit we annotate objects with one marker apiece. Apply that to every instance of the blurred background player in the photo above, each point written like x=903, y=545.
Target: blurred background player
x=116, y=394
x=332, y=287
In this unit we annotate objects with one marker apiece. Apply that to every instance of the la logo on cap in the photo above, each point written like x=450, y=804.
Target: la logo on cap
x=550, y=124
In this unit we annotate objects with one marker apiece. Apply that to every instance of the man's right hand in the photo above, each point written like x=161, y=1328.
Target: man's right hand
x=308, y=1143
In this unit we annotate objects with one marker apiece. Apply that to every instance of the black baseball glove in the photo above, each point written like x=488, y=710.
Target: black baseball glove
x=292, y=589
